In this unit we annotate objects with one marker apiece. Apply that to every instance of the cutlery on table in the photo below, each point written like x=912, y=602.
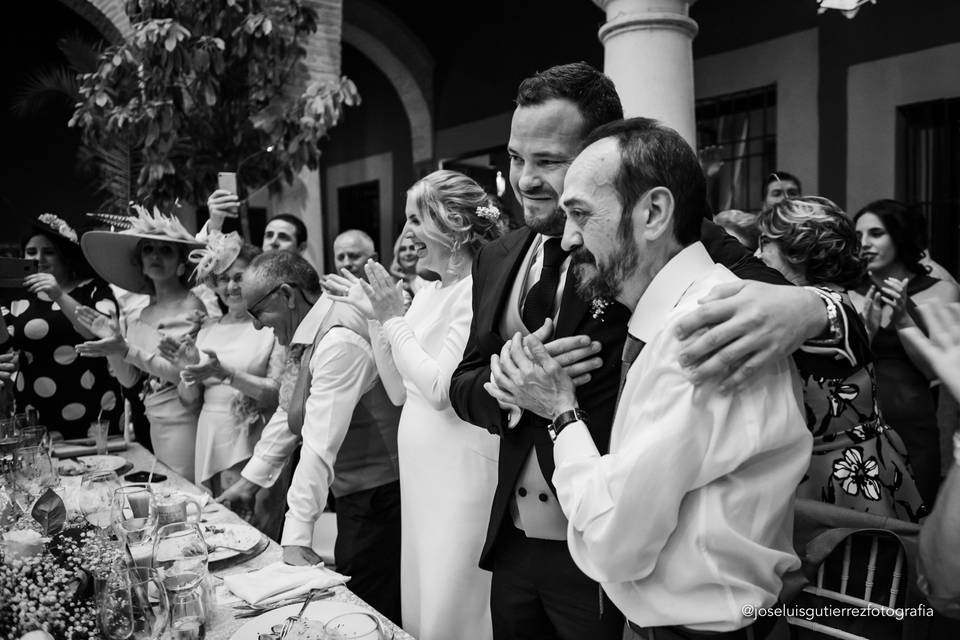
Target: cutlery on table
x=250, y=610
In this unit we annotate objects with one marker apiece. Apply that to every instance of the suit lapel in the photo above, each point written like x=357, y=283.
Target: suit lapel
x=500, y=284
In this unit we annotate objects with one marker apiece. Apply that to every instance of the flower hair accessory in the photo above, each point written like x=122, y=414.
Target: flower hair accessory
x=157, y=224
x=59, y=225
x=221, y=250
x=489, y=212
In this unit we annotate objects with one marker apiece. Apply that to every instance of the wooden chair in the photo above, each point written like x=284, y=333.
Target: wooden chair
x=855, y=560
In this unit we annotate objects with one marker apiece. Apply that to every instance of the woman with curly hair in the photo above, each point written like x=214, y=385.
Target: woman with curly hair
x=892, y=239
x=858, y=461
x=448, y=468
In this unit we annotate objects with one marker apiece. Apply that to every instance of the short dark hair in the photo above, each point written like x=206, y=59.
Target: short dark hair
x=276, y=267
x=780, y=176
x=654, y=155
x=297, y=224
x=816, y=233
x=593, y=93
x=907, y=228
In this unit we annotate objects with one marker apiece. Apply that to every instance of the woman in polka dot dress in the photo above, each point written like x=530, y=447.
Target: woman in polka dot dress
x=69, y=392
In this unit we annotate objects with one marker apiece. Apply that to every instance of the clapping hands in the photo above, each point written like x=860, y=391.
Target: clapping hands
x=891, y=295
x=180, y=350
x=380, y=298
x=107, y=328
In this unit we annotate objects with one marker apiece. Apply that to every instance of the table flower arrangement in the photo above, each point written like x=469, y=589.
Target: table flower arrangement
x=49, y=569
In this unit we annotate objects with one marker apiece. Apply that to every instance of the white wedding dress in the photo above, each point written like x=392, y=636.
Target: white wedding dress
x=448, y=470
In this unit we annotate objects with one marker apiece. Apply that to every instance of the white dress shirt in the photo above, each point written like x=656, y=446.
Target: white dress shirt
x=341, y=370
x=690, y=515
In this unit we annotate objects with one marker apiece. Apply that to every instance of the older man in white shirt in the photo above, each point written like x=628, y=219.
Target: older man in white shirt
x=689, y=518
x=330, y=394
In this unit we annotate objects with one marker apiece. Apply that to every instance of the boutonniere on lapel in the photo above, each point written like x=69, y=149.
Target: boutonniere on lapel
x=598, y=306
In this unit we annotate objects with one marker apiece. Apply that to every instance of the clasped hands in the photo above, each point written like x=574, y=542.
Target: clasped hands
x=737, y=329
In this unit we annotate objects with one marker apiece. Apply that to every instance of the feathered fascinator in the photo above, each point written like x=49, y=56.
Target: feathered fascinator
x=215, y=258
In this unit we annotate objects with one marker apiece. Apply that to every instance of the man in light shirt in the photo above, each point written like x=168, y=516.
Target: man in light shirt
x=331, y=395
x=689, y=518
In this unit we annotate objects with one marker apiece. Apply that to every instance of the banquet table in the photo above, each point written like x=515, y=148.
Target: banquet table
x=225, y=624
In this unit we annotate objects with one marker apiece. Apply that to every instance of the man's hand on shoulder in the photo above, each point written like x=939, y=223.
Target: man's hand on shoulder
x=300, y=556
x=740, y=327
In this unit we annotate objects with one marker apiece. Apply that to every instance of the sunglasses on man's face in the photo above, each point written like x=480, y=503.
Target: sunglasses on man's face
x=253, y=310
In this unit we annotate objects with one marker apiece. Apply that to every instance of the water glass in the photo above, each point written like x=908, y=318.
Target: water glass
x=33, y=472
x=133, y=606
x=9, y=442
x=134, y=516
x=98, y=431
x=180, y=557
x=35, y=436
x=188, y=613
x=95, y=497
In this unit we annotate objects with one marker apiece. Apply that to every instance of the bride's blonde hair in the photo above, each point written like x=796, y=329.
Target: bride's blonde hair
x=456, y=211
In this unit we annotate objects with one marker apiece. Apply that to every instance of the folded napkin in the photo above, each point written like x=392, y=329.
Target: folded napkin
x=280, y=581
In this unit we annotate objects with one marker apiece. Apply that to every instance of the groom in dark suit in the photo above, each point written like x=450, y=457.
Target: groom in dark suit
x=523, y=283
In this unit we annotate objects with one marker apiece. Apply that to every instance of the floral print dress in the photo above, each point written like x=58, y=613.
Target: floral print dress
x=858, y=461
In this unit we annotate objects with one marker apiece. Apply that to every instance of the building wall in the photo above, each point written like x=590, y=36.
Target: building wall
x=874, y=91
x=790, y=62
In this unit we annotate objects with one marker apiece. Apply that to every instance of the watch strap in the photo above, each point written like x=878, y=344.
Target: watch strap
x=561, y=421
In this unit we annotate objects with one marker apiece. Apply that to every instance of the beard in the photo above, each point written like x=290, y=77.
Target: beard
x=595, y=280
x=550, y=225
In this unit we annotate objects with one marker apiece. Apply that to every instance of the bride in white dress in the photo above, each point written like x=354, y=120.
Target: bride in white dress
x=448, y=468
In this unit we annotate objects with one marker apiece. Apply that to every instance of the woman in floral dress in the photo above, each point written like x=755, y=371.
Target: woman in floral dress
x=858, y=461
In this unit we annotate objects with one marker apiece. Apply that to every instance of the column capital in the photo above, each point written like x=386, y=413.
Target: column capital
x=633, y=15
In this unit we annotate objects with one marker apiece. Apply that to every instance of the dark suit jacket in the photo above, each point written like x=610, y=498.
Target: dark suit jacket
x=494, y=272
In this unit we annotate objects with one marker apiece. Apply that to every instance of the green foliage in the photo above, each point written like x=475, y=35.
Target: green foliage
x=202, y=87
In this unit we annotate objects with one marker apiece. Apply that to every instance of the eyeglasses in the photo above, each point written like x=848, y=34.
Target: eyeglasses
x=252, y=310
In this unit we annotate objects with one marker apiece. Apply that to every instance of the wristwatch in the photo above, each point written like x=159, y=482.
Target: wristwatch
x=562, y=420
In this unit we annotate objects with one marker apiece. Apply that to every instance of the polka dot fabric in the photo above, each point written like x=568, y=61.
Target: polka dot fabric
x=68, y=391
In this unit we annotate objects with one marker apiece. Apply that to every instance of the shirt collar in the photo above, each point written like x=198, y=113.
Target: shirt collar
x=307, y=329
x=666, y=289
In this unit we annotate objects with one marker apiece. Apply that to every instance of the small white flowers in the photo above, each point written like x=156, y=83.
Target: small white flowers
x=59, y=225
x=598, y=307
x=488, y=212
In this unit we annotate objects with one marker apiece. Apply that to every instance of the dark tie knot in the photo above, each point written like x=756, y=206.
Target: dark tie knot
x=553, y=253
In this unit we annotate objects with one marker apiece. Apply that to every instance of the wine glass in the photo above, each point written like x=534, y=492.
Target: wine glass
x=35, y=436
x=33, y=471
x=133, y=605
x=180, y=557
x=134, y=517
x=95, y=498
x=355, y=625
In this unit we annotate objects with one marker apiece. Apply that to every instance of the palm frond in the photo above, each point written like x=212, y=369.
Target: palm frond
x=43, y=88
x=81, y=53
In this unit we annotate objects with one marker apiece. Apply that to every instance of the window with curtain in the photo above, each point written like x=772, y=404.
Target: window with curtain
x=737, y=139
x=928, y=172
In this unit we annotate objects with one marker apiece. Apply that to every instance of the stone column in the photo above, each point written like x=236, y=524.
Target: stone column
x=648, y=53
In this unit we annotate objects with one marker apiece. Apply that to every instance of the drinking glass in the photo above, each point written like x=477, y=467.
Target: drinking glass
x=33, y=471
x=133, y=605
x=134, y=517
x=188, y=614
x=9, y=442
x=180, y=557
x=35, y=436
x=98, y=431
x=95, y=498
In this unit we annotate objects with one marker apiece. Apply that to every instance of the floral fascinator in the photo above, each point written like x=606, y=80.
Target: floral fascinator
x=215, y=258
x=112, y=254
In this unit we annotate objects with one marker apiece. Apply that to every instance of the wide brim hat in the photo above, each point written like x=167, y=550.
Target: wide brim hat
x=113, y=254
